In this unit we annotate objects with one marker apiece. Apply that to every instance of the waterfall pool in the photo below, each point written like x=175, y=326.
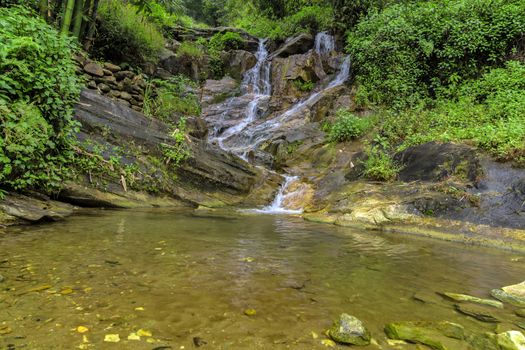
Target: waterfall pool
x=179, y=278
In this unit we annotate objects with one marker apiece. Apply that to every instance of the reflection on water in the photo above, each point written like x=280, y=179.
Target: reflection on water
x=181, y=277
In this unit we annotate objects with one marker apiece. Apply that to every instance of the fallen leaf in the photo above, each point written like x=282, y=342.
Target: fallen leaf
x=315, y=335
x=112, y=338
x=250, y=312
x=5, y=330
x=328, y=343
x=133, y=336
x=66, y=291
x=82, y=329
x=144, y=333
x=36, y=289
x=140, y=308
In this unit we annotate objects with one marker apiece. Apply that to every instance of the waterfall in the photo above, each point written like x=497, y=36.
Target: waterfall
x=277, y=206
x=324, y=43
x=248, y=134
x=256, y=83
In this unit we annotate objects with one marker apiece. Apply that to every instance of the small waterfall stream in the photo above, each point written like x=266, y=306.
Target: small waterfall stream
x=249, y=133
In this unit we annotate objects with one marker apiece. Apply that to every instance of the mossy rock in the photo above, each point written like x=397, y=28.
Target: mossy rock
x=349, y=330
x=508, y=298
x=436, y=335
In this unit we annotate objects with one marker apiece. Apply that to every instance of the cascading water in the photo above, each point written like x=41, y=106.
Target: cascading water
x=248, y=134
x=256, y=83
x=324, y=43
x=277, y=206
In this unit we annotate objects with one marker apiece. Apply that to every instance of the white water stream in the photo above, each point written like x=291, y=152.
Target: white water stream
x=248, y=134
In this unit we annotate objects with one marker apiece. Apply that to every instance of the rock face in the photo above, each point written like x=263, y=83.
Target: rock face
x=349, y=330
x=18, y=209
x=295, y=45
x=237, y=62
x=210, y=177
x=437, y=161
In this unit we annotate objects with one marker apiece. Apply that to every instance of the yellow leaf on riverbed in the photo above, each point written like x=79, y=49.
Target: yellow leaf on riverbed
x=144, y=333
x=112, y=338
x=36, y=289
x=328, y=343
x=133, y=336
x=82, y=329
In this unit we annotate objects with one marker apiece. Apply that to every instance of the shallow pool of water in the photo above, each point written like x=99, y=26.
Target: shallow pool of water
x=186, y=277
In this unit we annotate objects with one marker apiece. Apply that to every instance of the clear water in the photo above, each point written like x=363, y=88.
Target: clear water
x=193, y=275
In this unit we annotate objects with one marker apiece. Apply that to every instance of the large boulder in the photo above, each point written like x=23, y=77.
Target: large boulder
x=18, y=209
x=298, y=44
x=237, y=62
x=209, y=177
x=217, y=91
x=435, y=161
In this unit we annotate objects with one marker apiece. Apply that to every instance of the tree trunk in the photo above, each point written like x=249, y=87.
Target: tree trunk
x=91, y=29
x=43, y=7
x=68, y=14
x=85, y=22
x=77, y=20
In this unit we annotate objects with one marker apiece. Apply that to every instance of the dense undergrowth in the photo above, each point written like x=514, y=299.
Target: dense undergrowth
x=444, y=71
x=38, y=86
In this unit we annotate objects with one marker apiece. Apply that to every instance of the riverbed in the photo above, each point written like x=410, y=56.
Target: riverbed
x=181, y=279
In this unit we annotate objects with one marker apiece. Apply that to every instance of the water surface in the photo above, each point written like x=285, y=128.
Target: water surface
x=180, y=275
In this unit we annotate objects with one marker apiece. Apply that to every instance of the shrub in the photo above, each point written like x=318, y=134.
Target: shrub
x=125, y=35
x=177, y=150
x=38, y=87
x=379, y=165
x=412, y=51
x=163, y=98
x=309, y=19
x=190, y=49
x=302, y=85
x=219, y=42
x=347, y=127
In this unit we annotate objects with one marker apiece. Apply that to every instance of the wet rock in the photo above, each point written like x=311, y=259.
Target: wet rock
x=516, y=290
x=505, y=297
x=214, y=91
x=520, y=312
x=296, y=45
x=511, y=340
x=198, y=341
x=349, y=330
x=471, y=299
x=478, y=312
x=112, y=67
x=436, y=335
x=91, y=84
x=197, y=127
x=94, y=69
x=435, y=161
x=30, y=209
x=237, y=62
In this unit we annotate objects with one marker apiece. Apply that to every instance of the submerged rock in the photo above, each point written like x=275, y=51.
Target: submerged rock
x=511, y=340
x=520, y=312
x=471, y=299
x=436, y=335
x=506, y=297
x=478, y=312
x=349, y=330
